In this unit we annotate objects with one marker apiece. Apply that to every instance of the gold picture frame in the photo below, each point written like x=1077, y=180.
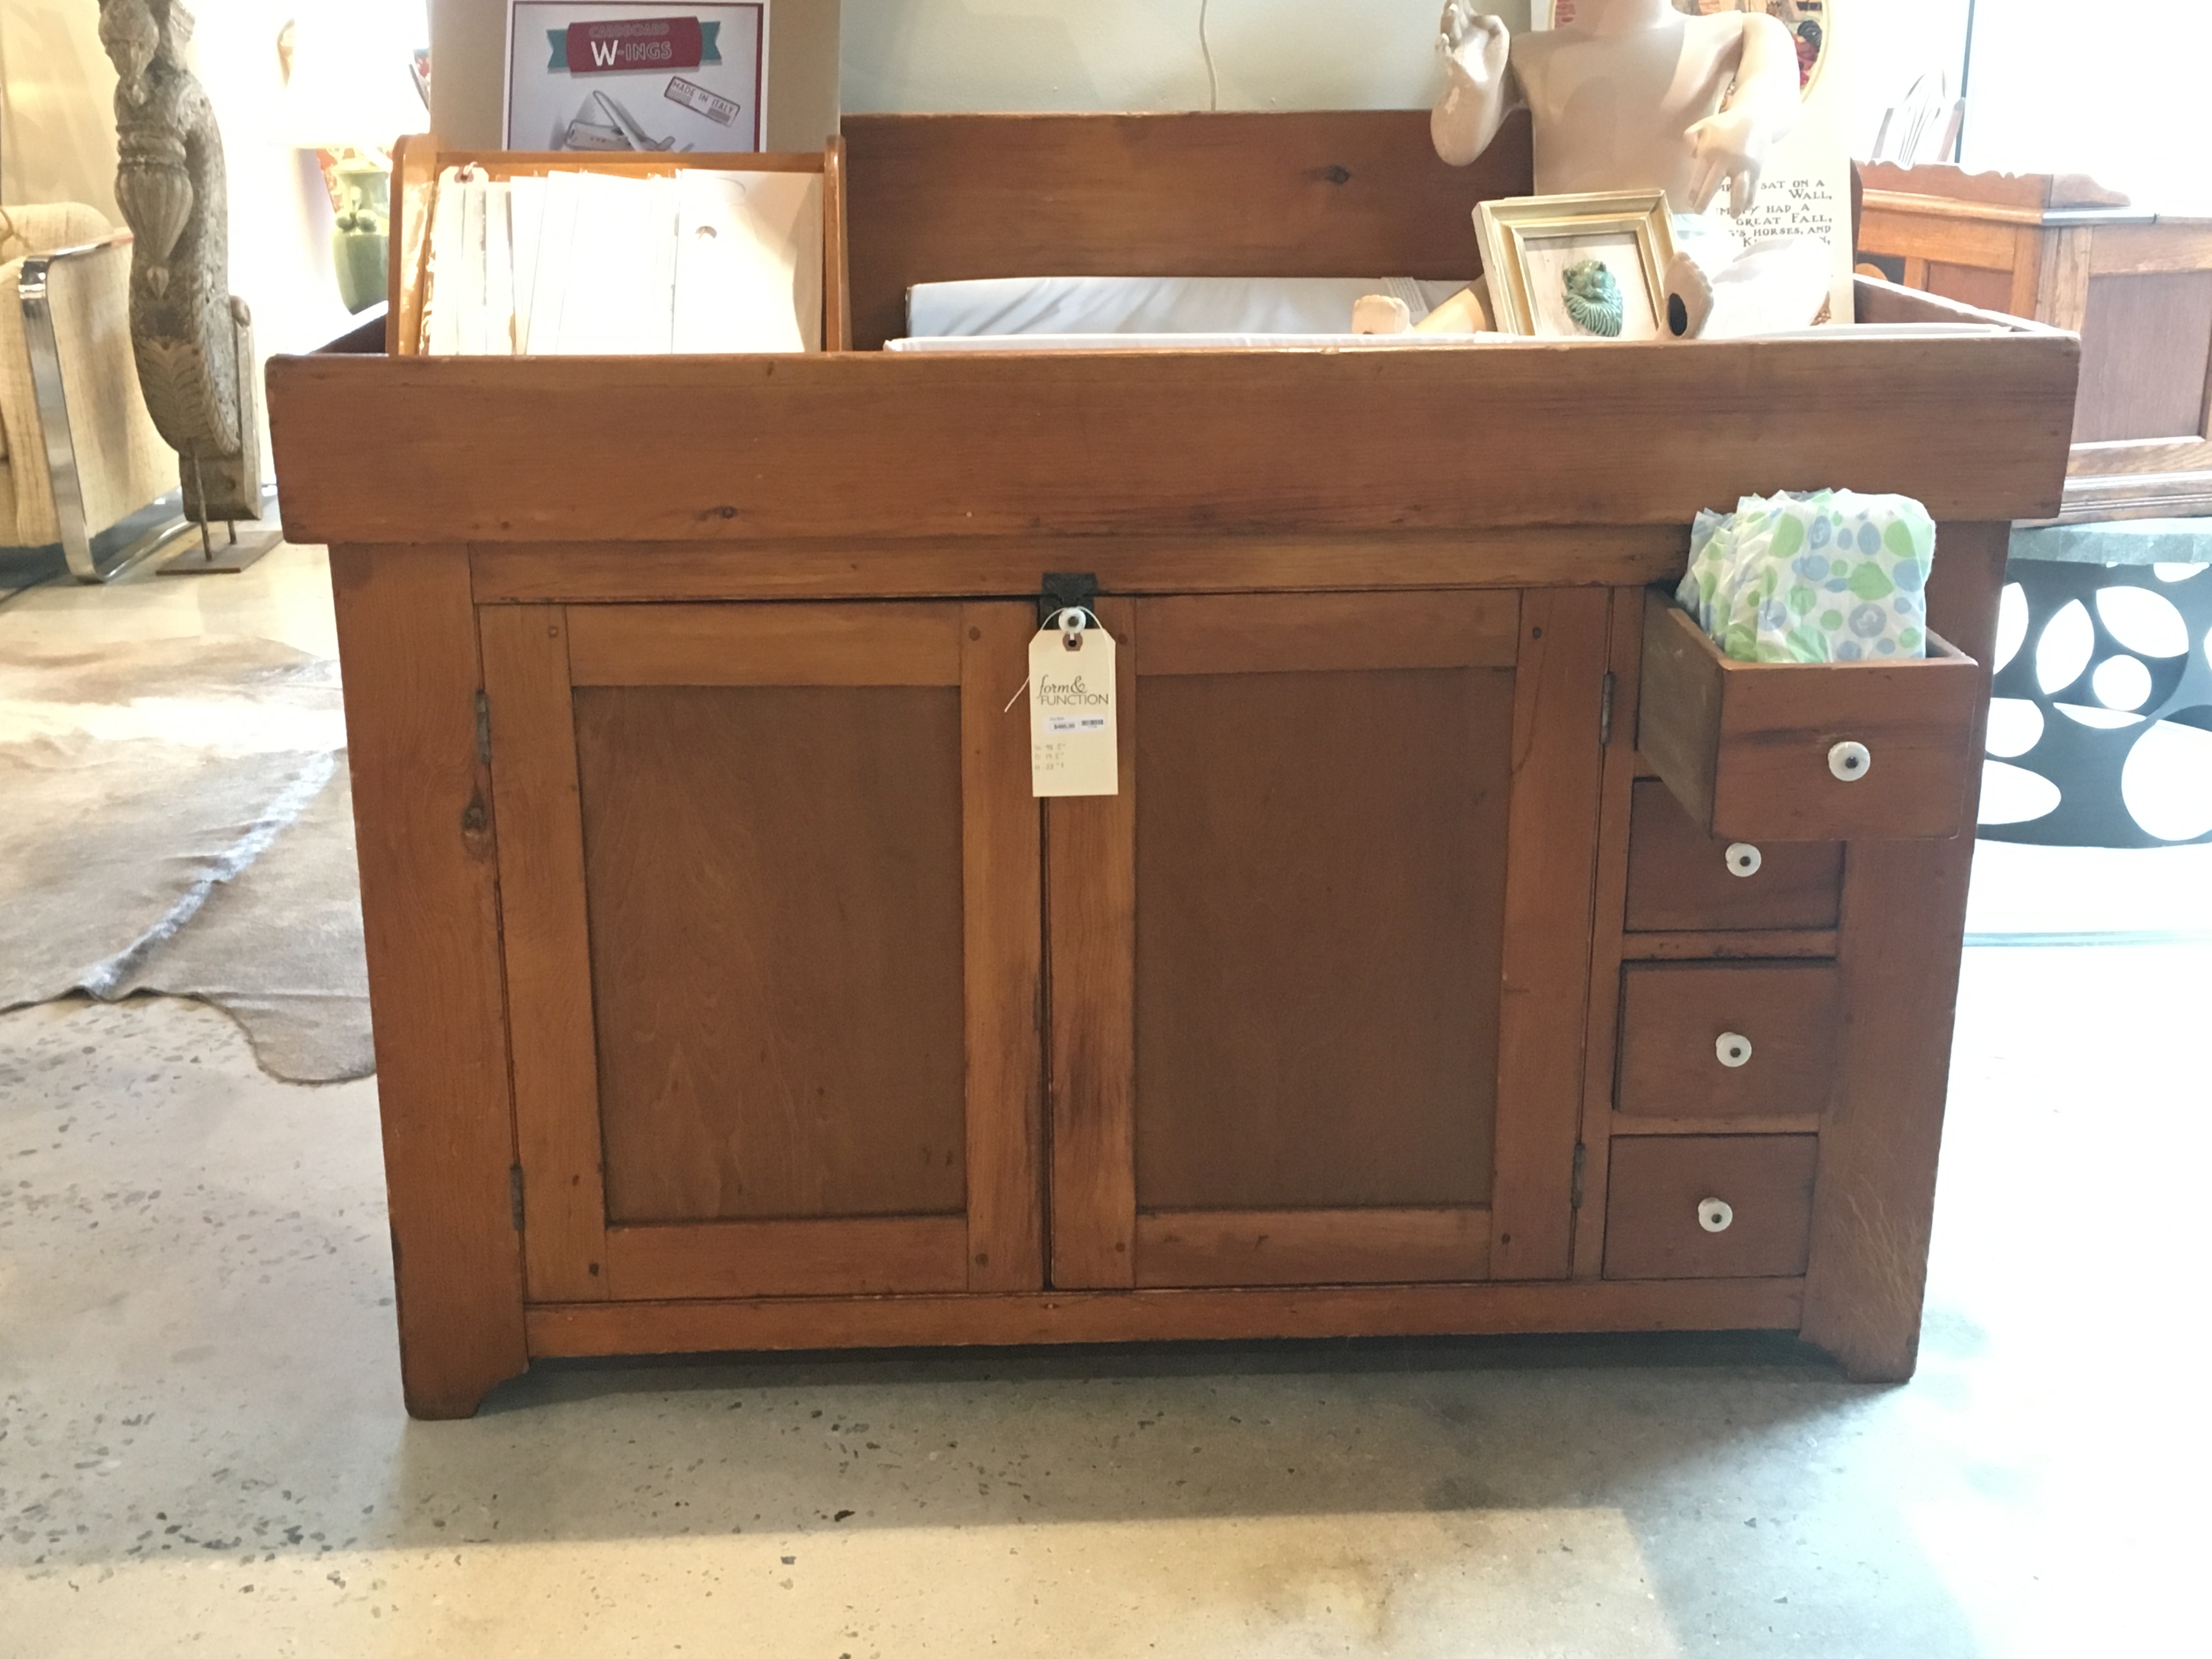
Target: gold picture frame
x=1529, y=242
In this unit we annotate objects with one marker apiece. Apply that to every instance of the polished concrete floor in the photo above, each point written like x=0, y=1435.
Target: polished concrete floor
x=202, y=1448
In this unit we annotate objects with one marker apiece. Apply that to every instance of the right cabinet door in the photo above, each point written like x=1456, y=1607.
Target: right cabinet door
x=1318, y=972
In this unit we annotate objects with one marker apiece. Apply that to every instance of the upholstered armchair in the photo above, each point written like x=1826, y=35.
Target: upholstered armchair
x=78, y=453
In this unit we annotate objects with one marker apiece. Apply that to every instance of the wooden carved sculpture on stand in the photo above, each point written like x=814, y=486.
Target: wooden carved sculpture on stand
x=193, y=339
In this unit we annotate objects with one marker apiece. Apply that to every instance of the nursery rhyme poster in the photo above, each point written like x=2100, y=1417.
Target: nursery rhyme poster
x=1806, y=187
x=635, y=74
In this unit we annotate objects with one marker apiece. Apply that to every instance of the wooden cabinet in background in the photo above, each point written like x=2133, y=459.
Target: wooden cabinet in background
x=2135, y=285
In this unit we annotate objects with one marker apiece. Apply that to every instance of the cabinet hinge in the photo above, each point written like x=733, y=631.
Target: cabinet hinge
x=1605, y=714
x=1581, y=1156
x=484, y=728
x=514, y=1193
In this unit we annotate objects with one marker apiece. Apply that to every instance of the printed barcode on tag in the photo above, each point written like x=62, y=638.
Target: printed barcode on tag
x=1074, y=723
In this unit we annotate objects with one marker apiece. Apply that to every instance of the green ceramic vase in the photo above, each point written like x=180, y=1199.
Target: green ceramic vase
x=360, y=241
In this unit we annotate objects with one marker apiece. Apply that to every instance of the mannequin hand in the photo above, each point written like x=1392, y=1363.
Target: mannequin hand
x=1726, y=149
x=1474, y=46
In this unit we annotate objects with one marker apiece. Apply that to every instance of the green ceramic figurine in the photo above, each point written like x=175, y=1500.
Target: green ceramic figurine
x=1594, y=298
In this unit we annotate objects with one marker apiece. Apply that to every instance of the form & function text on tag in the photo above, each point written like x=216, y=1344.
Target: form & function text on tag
x=1074, y=745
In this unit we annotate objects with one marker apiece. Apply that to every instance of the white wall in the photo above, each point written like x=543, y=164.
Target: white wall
x=1142, y=54
x=57, y=126
x=58, y=141
x=2123, y=98
x=1902, y=40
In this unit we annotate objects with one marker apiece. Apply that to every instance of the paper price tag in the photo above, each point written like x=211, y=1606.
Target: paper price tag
x=1074, y=743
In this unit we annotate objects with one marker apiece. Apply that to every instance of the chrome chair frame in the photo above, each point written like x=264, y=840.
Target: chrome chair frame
x=86, y=563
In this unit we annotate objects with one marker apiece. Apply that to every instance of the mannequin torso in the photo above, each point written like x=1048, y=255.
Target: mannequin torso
x=1614, y=112
x=1636, y=95
x=1631, y=95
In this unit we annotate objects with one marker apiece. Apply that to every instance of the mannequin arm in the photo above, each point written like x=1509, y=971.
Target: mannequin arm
x=1731, y=148
x=1480, y=90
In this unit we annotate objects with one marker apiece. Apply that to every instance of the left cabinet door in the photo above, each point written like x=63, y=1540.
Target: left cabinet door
x=770, y=901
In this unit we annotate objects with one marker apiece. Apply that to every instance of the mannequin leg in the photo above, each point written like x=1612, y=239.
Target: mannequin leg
x=1777, y=285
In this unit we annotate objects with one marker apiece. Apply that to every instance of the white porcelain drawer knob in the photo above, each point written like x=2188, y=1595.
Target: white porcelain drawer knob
x=1850, y=761
x=1744, y=860
x=1715, y=1215
x=1732, y=1049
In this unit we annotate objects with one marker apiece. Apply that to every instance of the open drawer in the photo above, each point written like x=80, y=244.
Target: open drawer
x=1807, y=751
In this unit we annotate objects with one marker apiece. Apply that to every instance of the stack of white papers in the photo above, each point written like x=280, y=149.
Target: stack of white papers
x=604, y=264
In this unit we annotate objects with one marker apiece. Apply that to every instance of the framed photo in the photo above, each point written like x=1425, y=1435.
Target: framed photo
x=1578, y=267
x=636, y=75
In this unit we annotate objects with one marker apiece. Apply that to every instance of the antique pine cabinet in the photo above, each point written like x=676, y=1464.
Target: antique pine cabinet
x=733, y=991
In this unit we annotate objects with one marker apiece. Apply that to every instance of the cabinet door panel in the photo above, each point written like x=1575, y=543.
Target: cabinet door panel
x=1320, y=877
x=760, y=889
x=1307, y=1028
x=774, y=877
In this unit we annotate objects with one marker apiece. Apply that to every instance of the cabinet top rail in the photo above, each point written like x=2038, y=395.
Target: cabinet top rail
x=866, y=444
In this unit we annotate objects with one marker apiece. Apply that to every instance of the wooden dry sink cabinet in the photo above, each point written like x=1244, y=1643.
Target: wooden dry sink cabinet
x=733, y=992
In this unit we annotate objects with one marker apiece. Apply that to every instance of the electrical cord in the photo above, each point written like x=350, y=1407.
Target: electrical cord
x=1205, y=50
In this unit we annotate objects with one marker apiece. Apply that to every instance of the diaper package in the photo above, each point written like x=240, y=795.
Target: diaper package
x=1830, y=577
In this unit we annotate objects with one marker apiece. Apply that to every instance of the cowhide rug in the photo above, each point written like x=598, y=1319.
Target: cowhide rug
x=174, y=817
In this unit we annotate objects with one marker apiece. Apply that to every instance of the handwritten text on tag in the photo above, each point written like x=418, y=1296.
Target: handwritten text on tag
x=1073, y=744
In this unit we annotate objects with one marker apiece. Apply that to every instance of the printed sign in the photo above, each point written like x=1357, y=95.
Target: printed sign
x=647, y=43
x=636, y=75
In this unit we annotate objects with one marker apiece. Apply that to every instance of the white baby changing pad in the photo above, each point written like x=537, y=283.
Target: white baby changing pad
x=1157, y=305
x=1006, y=343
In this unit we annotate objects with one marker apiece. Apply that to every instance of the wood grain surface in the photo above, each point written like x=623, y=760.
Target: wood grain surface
x=1091, y=929
x=1679, y=878
x=1002, y=906
x=872, y=1256
x=1316, y=1016
x=422, y=818
x=1618, y=556
x=1552, y=843
x=1256, y=442
x=2146, y=351
x=765, y=645
x=547, y=939
x=1817, y=942
x=1673, y=1014
x=1744, y=746
x=1330, y=632
x=578, y=1329
x=1313, y=1247
x=1652, y=1226
x=1621, y=766
x=775, y=882
x=1314, y=193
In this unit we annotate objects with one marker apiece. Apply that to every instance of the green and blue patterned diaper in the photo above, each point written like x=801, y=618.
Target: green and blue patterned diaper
x=1831, y=577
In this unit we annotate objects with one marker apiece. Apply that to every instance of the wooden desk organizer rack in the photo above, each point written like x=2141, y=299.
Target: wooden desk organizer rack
x=733, y=992
x=419, y=158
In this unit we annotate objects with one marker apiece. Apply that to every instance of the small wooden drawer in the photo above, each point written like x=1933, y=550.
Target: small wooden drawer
x=1727, y=1040
x=1807, y=751
x=1709, y=1206
x=1682, y=880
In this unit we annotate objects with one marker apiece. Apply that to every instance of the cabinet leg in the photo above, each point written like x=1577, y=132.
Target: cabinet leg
x=441, y=1394
x=422, y=791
